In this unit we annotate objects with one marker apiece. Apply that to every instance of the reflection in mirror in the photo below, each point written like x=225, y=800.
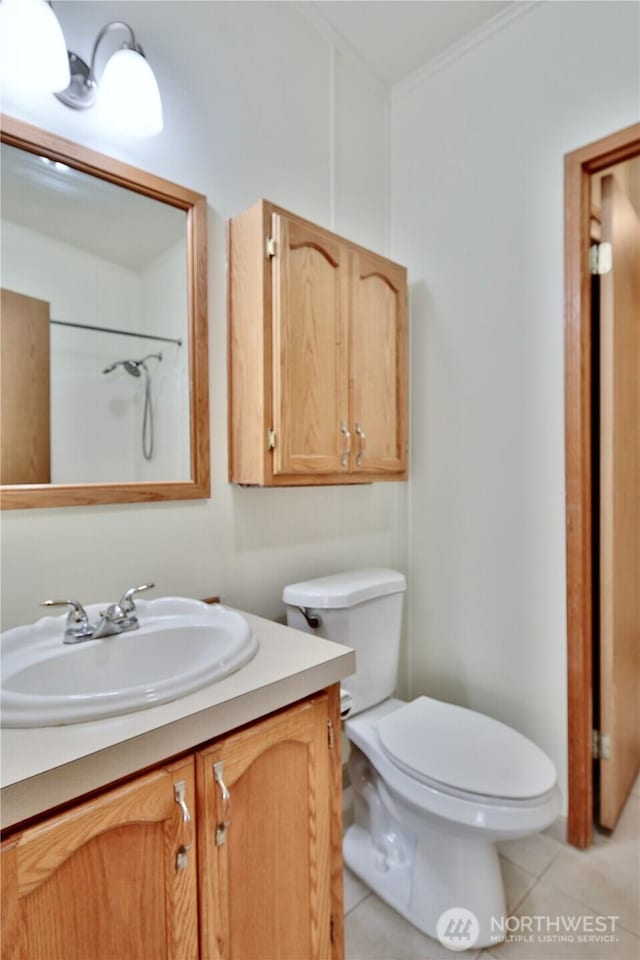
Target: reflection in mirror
x=94, y=329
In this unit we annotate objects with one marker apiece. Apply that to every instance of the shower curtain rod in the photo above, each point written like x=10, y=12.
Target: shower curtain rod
x=122, y=333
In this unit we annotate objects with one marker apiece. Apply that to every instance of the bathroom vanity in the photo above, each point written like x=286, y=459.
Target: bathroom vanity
x=210, y=826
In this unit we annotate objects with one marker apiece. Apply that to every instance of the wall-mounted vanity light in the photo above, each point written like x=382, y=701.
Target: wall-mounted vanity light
x=127, y=95
x=32, y=48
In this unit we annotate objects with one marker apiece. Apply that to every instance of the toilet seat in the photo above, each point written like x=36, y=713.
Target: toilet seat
x=484, y=814
x=454, y=748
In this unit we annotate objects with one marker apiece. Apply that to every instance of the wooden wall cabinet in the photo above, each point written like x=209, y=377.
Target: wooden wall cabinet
x=317, y=355
x=254, y=874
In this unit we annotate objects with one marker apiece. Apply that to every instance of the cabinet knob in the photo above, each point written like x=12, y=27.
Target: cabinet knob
x=346, y=453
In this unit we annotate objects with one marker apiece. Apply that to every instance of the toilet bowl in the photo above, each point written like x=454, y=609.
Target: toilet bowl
x=425, y=845
x=435, y=785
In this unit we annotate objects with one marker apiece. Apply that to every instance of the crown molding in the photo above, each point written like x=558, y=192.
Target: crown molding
x=460, y=47
x=311, y=10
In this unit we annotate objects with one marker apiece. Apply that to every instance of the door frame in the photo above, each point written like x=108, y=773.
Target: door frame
x=578, y=168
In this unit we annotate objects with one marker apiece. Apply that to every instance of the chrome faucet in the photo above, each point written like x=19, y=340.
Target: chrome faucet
x=120, y=617
x=117, y=618
x=78, y=627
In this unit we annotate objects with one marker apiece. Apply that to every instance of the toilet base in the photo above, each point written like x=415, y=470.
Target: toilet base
x=441, y=871
x=426, y=850
x=419, y=864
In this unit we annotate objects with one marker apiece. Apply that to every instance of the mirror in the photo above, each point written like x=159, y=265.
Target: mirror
x=103, y=329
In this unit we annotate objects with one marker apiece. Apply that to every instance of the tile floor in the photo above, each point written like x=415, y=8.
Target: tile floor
x=542, y=877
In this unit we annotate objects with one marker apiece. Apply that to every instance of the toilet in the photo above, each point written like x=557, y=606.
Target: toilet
x=435, y=785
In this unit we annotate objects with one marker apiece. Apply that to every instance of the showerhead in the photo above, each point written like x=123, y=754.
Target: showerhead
x=133, y=366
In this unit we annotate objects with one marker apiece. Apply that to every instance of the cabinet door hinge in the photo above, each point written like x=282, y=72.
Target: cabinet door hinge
x=270, y=247
x=330, y=734
x=332, y=929
x=600, y=258
x=271, y=440
x=600, y=745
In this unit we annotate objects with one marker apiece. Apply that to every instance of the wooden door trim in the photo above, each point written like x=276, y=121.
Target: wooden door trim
x=579, y=166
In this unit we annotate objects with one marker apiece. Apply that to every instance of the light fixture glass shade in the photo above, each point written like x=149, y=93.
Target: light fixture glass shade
x=33, y=52
x=128, y=95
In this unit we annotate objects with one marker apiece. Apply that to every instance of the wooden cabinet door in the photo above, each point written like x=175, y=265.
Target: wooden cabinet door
x=102, y=881
x=619, y=502
x=378, y=365
x=310, y=389
x=25, y=417
x=265, y=878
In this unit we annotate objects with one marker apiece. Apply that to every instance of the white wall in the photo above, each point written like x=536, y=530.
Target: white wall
x=252, y=109
x=477, y=214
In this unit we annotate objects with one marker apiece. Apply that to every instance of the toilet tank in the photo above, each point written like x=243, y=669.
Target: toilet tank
x=363, y=610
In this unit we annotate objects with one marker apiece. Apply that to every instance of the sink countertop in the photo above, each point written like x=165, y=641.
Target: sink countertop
x=43, y=767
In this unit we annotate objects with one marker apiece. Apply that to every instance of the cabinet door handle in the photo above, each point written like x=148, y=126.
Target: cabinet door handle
x=225, y=823
x=180, y=794
x=346, y=453
x=363, y=444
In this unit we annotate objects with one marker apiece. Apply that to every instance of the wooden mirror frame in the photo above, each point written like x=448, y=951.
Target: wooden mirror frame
x=15, y=133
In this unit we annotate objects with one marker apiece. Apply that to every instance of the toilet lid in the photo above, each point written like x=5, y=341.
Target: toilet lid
x=465, y=750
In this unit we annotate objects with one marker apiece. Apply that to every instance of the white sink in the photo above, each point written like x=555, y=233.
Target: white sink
x=180, y=646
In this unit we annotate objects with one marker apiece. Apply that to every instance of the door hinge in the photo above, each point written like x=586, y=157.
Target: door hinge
x=270, y=247
x=271, y=440
x=600, y=745
x=330, y=734
x=600, y=258
x=332, y=928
